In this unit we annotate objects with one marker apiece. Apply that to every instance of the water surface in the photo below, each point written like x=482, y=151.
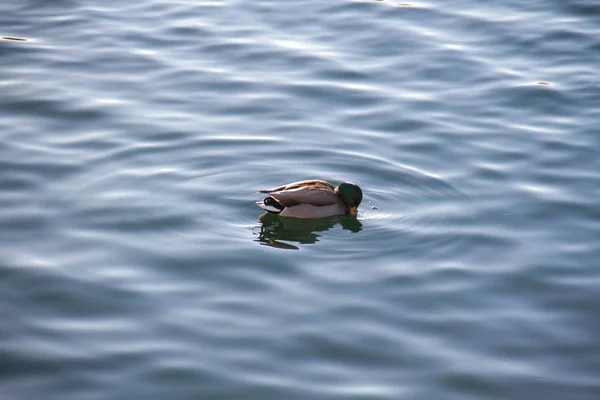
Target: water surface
x=134, y=262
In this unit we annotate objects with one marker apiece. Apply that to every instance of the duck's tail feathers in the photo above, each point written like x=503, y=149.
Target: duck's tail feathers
x=271, y=205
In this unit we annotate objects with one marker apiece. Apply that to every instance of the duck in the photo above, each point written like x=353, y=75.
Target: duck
x=312, y=198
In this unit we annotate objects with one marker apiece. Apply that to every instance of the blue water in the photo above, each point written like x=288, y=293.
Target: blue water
x=135, y=264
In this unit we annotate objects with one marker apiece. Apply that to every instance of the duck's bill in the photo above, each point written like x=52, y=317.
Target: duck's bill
x=353, y=211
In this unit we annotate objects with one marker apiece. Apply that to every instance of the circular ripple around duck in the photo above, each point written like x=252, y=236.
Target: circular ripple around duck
x=412, y=211
x=404, y=209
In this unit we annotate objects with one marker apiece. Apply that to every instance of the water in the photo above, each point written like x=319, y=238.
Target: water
x=134, y=136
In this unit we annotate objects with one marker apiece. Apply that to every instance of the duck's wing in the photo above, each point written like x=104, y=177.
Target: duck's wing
x=312, y=192
x=311, y=183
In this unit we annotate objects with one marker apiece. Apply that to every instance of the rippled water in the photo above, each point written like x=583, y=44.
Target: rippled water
x=135, y=264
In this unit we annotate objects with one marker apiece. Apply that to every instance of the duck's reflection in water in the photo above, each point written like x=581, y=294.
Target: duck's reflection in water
x=275, y=229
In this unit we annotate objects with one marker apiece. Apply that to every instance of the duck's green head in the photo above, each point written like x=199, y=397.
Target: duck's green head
x=351, y=195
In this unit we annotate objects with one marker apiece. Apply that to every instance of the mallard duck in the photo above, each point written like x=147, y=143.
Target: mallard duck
x=312, y=199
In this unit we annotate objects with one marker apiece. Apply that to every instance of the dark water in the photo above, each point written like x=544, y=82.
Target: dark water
x=133, y=139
